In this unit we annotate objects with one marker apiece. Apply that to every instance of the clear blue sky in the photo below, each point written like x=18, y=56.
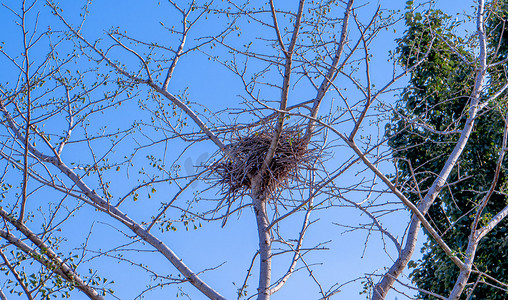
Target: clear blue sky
x=214, y=87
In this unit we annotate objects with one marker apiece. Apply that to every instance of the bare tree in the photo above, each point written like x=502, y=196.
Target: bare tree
x=94, y=124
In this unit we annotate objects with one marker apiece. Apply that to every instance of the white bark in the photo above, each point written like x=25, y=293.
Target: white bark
x=259, y=199
x=104, y=206
x=54, y=263
x=386, y=283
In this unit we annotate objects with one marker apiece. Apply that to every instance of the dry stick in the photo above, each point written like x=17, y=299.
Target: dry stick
x=480, y=274
x=145, y=65
x=376, y=223
x=26, y=71
x=370, y=100
x=417, y=289
x=277, y=29
x=494, y=181
x=296, y=255
x=471, y=289
x=332, y=71
x=244, y=285
x=179, y=51
x=493, y=222
x=497, y=94
x=419, y=215
x=316, y=191
x=2, y=295
x=71, y=121
x=156, y=219
x=190, y=113
x=152, y=84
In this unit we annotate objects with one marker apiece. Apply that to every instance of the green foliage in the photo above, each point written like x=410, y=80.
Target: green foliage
x=432, y=107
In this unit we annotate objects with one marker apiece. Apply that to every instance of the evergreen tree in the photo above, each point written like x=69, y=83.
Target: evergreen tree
x=423, y=132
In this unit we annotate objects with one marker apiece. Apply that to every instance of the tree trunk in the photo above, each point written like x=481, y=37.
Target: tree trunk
x=259, y=199
x=382, y=288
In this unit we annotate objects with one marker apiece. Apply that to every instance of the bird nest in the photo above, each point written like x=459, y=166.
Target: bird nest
x=247, y=155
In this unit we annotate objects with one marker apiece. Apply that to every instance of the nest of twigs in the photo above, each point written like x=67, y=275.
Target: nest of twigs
x=246, y=157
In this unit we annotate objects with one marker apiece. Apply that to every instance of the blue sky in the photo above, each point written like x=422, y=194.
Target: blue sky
x=213, y=86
